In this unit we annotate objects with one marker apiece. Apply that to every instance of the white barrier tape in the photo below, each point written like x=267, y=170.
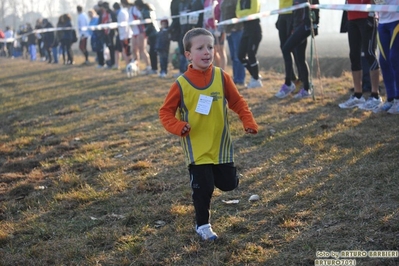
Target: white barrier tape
x=263, y=14
x=347, y=7
x=114, y=25
x=363, y=8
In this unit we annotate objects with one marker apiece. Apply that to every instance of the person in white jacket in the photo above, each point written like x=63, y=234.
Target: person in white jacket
x=83, y=21
x=124, y=33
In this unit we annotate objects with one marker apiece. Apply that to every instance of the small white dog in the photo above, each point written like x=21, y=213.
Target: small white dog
x=132, y=69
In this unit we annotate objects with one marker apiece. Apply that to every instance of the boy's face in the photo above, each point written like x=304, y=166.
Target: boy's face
x=201, y=52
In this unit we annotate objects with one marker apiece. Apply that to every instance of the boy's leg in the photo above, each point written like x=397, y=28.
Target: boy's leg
x=225, y=176
x=201, y=181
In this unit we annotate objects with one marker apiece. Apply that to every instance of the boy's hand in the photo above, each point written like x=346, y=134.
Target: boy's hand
x=250, y=131
x=186, y=129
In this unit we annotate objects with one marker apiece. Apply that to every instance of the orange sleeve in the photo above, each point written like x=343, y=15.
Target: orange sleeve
x=238, y=104
x=167, y=112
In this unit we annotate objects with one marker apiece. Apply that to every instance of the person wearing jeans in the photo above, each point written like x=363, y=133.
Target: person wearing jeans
x=234, y=34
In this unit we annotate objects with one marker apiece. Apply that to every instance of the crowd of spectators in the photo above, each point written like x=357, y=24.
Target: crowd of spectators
x=148, y=43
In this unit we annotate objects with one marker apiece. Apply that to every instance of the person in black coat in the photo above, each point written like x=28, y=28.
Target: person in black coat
x=187, y=23
x=108, y=35
x=151, y=31
x=305, y=24
x=48, y=39
x=32, y=41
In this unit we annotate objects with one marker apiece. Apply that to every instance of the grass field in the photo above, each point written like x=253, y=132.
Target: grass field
x=88, y=175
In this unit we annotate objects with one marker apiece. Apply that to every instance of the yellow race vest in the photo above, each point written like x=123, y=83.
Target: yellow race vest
x=284, y=4
x=209, y=140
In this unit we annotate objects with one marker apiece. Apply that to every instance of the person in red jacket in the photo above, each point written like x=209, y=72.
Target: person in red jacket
x=201, y=96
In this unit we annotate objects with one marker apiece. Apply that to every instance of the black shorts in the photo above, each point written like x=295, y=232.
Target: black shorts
x=222, y=176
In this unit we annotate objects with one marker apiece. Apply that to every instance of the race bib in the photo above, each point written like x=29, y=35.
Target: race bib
x=193, y=19
x=183, y=18
x=208, y=14
x=204, y=104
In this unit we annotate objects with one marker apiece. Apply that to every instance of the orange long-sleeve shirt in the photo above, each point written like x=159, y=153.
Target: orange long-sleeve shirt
x=236, y=102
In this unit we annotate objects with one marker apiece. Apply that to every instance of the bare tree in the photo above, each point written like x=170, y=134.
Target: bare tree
x=4, y=6
x=15, y=9
x=50, y=7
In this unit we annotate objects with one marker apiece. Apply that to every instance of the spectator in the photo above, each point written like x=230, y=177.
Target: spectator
x=118, y=47
x=108, y=16
x=362, y=32
x=211, y=17
x=234, y=34
x=284, y=27
x=139, y=40
x=96, y=43
x=250, y=40
x=304, y=25
x=48, y=40
x=2, y=36
x=151, y=29
x=162, y=47
x=66, y=40
x=125, y=32
x=83, y=21
x=32, y=42
x=174, y=28
x=366, y=85
x=205, y=135
x=389, y=58
x=188, y=22
x=9, y=34
x=24, y=41
x=39, y=41
x=58, y=36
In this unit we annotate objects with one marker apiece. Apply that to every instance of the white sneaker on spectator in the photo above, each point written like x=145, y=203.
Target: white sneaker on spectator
x=254, y=83
x=146, y=71
x=371, y=104
x=352, y=102
x=383, y=107
x=395, y=107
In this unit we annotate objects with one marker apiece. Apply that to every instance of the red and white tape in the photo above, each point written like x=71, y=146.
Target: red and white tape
x=346, y=7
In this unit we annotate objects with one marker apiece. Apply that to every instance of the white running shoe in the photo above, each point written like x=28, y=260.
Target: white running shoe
x=352, y=102
x=383, y=107
x=395, y=107
x=206, y=233
x=371, y=104
x=254, y=83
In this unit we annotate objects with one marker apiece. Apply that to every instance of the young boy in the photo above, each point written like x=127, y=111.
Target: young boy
x=162, y=47
x=201, y=95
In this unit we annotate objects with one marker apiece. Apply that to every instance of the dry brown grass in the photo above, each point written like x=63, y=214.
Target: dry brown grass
x=88, y=176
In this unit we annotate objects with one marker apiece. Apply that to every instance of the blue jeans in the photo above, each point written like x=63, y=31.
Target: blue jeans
x=238, y=68
x=163, y=61
x=32, y=52
x=55, y=54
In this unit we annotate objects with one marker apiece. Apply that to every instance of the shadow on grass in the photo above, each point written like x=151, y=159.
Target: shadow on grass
x=88, y=176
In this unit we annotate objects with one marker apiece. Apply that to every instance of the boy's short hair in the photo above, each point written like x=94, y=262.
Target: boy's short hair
x=194, y=33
